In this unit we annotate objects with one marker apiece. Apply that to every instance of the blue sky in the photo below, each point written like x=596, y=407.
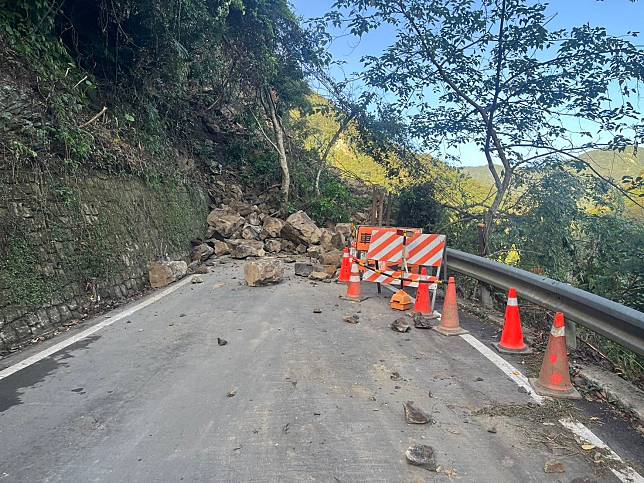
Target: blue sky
x=618, y=16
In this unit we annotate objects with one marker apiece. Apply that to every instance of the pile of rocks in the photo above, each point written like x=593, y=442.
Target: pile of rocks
x=243, y=230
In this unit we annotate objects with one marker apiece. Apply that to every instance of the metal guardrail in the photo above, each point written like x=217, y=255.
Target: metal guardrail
x=614, y=321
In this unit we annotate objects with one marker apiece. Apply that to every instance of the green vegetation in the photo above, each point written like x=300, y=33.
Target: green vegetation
x=137, y=87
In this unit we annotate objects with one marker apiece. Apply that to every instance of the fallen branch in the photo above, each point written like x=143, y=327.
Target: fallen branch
x=102, y=111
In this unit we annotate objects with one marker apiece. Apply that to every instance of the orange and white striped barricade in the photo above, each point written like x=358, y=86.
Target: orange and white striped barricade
x=365, y=232
x=385, y=248
x=427, y=250
x=399, y=277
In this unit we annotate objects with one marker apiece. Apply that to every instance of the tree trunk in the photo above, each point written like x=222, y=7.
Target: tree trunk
x=490, y=215
x=485, y=233
x=327, y=150
x=278, y=130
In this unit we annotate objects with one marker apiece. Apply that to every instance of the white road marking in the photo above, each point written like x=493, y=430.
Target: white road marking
x=504, y=365
x=625, y=474
x=95, y=328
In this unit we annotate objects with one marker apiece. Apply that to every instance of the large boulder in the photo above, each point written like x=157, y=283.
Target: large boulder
x=330, y=240
x=250, y=232
x=300, y=228
x=272, y=245
x=303, y=269
x=221, y=248
x=333, y=257
x=224, y=223
x=163, y=273
x=246, y=248
x=344, y=229
x=288, y=246
x=314, y=252
x=253, y=219
x=179, y=269
x=201, y=253
x=263, y=272
x=160, y=274
x=273, y=226
x=244, y=209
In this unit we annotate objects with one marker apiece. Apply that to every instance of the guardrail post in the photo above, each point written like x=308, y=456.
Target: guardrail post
x=571, y=335
x=484, y=291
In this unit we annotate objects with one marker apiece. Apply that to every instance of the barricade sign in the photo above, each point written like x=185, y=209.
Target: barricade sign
x=385, y=246
x=363, y=238
x=393, y=254
x=425, y=250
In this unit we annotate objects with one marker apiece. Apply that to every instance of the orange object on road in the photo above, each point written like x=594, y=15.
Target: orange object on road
x=353, y=287
x=554, y=377
x=450, y=323
x=400, y=300
x=423, y=303
x=345, y=269
x=512, y=335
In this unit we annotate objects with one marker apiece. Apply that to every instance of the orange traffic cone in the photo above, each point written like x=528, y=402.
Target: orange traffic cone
x=345, y=269
x=450, y=323
x=423, y=303
x=353, y=287
x=554, y=377
x=512, y=336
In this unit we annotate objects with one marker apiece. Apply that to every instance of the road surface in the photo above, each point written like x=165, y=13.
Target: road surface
x=293, y=396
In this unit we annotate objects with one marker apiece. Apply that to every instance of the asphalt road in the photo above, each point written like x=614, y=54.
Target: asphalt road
x=147, y=398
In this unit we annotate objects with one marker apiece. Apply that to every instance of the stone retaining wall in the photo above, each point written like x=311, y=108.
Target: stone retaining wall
x=67, y=240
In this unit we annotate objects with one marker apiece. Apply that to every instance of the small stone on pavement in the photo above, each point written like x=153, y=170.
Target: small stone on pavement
x=421, y=455
x=414, y=415
x=400, y=325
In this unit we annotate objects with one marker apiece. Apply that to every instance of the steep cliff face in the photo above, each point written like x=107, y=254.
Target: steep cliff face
x=68, y=240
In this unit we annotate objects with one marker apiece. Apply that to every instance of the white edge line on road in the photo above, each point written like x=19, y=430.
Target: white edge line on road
x=626, y=475
x=95, y=328
x=504, y=365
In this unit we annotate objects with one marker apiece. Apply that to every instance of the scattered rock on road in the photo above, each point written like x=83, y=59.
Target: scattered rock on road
x=421, y=455
x=163, y=273
x=422, y=321
x=263, y=272
x=303, y=269
x=196, y=279
x=554, y=466
x=395, y=376
x=319, y=276
x=317, y=311
x=351, y=319
x=221, y=342
x=400, y=325
x=232, y=392
x=414, y=415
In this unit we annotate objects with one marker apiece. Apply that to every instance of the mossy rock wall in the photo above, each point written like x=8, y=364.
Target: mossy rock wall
x=67, y=240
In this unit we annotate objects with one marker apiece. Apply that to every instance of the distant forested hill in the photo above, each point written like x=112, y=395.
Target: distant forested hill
x=608, y=163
